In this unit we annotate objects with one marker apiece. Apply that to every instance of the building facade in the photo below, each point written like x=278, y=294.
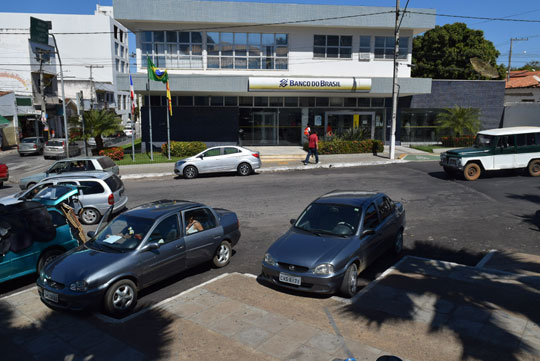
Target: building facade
x=93, y=50
x=258, y=73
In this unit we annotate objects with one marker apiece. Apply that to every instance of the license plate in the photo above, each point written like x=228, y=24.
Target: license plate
x=283, y=277
x=50, y=296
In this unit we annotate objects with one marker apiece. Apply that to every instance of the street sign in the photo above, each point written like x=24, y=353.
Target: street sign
x=39, y=30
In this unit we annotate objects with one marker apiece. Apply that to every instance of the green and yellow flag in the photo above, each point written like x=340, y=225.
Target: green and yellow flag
x=155, y=73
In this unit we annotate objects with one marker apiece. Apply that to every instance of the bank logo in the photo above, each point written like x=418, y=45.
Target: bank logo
x=283, y=83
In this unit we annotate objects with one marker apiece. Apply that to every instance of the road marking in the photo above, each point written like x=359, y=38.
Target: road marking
x=486, y=259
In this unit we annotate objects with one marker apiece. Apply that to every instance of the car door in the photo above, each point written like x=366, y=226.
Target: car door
x=388, y=224
x=231, y=158
x=209, y=161
x=5, y=265
x=169, y=258
x=201, y=245
x=505, y=152
x=370, y=242
x=92, y=194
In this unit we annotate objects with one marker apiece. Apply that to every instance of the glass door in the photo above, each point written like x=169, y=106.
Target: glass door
x=264, y=128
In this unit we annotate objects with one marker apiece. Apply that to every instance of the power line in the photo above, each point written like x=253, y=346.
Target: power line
x=475, y=17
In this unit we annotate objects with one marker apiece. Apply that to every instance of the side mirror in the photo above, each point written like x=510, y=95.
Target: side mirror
x=150, y=247
x=293, y=220
x=91, y=234
x=367, y=232
x=201, y=156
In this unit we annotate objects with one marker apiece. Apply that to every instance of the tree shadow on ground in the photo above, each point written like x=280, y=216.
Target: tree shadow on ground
x=488, y=312
x=532, y=219
x=533, y=198
x=29, y=334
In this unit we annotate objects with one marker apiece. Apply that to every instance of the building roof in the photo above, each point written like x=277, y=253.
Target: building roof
x=4, y=93
x=523, y=79
x=510, y=130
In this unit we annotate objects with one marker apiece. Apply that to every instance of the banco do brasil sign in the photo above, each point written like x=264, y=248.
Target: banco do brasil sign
x=310, y=84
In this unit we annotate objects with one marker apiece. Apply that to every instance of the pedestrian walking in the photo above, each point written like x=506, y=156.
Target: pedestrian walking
x=313, y=146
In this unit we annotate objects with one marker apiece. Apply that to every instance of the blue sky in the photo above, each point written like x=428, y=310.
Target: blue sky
x=498, y=32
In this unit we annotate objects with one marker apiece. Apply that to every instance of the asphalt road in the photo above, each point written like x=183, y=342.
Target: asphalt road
x=453, y=220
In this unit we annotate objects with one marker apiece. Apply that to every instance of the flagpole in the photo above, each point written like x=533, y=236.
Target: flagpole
x=149, y=114
x=168, y=136
x=132, y=96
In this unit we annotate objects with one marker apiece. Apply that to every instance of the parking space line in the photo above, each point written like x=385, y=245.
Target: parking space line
x=486, y=259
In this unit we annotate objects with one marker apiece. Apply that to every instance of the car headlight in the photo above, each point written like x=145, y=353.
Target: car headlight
x=324, y=269
x=269, y=259
x=180, y=162
x=79, y=286
x=458, y=162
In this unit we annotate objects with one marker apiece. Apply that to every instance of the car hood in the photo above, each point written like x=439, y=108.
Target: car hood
x=83, y=263
x=9, y=199
x=468, y=152
x=305, y=249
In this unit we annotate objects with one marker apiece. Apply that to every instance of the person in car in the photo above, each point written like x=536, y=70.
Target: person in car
x=193, y=225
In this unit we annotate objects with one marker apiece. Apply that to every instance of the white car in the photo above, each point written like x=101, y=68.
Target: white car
x=228, y=158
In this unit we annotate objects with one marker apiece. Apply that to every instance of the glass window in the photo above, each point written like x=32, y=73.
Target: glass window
x=261, y=101
x=159, y=36
x=403, y=47
x=336, y=102
x=322, y=102
x=377, y=102
x=364, y=52
x=230, y=150
x=384, y=47
x=91, y=187
x=203, y=216
x=212, y=152
x=521, y=139
x=172, y=36
x=166, y=231
x=384, y=207
x=245, y=101
x=216, y=101
x=276, y=101
x=147, y=36
x=201, y=101
x=349, y=102
x=371, y=219
x=335, y=219
x=231, y=101
x=531, y=139
x=332, y=46
x=291, y=101
x=57, y=219
x=185, y=101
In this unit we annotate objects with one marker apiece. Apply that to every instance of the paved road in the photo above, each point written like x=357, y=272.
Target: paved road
x=452, y=220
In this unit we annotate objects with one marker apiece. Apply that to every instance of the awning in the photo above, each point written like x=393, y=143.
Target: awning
x=4, y=120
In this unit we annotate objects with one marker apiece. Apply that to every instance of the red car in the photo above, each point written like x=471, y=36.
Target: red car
x=4, y=174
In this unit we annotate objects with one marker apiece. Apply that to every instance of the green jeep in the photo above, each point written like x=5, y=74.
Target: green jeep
x=493, y=149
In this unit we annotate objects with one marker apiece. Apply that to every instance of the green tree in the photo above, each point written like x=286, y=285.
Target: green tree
x=459, y=121
x=99, y=123
x=445, y=52
x=531, y=66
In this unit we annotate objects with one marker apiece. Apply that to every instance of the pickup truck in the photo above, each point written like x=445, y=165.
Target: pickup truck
x=138, y=248
x=4, y=174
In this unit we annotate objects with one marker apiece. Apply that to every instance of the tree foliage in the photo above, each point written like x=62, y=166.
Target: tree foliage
x=531, y=66
x=99, y=123
x=459, y=121
x=445, y=52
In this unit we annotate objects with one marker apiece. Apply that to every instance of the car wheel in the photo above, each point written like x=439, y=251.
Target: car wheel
x=534, y=168
x=348, y=286
x=244, y=169
x=190, y=172
x=223, y=255
x=89, y=216
x=30, y=185
x=472, y=171
x=47, y=257
x=40, y=152
x=398, y=243
x=121, y=298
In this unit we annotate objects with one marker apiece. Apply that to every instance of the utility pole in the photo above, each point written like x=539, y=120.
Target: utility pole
x=92, y=90
x=510, y=55
x=80, y=103
x=43, y=115
x=66, y=130
x=395, y=86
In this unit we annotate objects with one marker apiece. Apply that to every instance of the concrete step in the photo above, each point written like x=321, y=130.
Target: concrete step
x=517, y=263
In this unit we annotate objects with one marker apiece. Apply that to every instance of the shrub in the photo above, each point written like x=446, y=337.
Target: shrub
x=183, y=149
x=115, y=153
x=338, y=146
x=463, y=141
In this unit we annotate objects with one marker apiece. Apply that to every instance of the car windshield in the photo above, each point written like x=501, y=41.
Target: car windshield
x=334, y=219
x=483, y=141
x=53, y=193
x=28, y=140
x=125, y=232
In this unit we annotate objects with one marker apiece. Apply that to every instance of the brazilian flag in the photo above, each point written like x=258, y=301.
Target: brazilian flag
x=155, y=73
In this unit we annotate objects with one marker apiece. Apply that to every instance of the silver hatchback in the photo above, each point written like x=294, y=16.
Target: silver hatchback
x=219, y=159
x=56, y=148
x=31, y=145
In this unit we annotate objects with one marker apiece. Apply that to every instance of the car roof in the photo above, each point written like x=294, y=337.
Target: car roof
x=510, y=130
x=85, y=174
x=349, y=197
x=156, y=209
x=90, y=157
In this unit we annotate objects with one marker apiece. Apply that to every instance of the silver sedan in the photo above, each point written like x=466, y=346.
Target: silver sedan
x=219, y=159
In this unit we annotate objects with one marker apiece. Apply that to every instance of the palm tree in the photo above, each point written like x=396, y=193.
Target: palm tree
x=459, y=120
x=99, y=123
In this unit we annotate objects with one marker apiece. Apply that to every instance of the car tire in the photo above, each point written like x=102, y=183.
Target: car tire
x=534, y=168
x=397, y=246
x=244, y=169
x=40, y=152
x=46, y=258
x=121, y=298
x=89, y=216
x=223, y=254
x=472, y=171
x=190, y=172
x=30, y=185
x=350, y=280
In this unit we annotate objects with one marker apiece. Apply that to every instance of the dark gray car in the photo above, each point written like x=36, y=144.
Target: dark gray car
x=138, y=248
x=336, y=237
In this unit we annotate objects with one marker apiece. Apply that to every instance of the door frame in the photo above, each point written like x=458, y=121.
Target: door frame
x=350, y=112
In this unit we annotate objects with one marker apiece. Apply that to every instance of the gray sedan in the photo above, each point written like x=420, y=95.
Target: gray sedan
x=336, y=237
x=138, y=248
x=31, y=145
x=219, y=159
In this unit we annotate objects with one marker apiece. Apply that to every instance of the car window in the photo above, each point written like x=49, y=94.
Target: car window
x=90, y=165
x=521, y=140
x=57, y=219
x=166, y=231
x=28, y=140
x=212, y=152
x=371, y=219
x=106, y=162
x=55, y=143
x=71, y=183
x=59, y=166
x=91, y=187
x=114, y=183
x=383, y=204
x=230, y=150
x=201, y=215
x=36, y=189
x=530, y=139
x=77, y=166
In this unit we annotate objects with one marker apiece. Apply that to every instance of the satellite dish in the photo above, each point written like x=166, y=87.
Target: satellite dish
x=484, y=68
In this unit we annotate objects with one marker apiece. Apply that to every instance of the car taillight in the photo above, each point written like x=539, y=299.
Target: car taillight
x=111, y=199
x=35, y=146
x=256, y=155
x=63, y=144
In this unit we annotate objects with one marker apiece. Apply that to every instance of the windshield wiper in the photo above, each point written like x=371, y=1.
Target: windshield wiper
x=313, y=231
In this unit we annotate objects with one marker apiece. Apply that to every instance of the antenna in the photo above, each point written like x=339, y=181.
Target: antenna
x=484, y=68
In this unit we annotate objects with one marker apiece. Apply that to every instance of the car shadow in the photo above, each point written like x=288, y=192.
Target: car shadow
x=458, y=176
x=216, y=175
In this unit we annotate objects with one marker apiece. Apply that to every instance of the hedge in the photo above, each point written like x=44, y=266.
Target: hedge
x=115, y=153
x=463, y=141
x=338, y=146
x=183, y=149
